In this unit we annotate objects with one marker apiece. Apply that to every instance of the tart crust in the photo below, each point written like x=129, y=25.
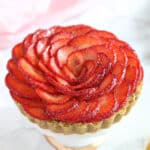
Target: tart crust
x=81, y=128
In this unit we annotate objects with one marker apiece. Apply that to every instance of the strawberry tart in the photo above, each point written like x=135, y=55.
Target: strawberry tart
x=74, y=79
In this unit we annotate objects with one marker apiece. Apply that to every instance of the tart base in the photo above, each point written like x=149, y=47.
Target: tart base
x=81, y=128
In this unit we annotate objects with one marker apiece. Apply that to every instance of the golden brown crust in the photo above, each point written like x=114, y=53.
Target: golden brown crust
x=81, y=128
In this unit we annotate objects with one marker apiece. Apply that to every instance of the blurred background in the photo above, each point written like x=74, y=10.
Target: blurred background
x=128, y=19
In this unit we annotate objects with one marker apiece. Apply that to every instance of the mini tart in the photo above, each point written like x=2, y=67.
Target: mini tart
x=74, y=79
x=82, y=128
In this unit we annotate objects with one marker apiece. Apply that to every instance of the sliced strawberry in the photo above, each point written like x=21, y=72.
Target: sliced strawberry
x=45, y=86
x=61, y=35
x=121, y=55
x=133, y=62
x=100, y=33
x=119, y=71
x=92, y=109
x=63, y=53
x=76, y=115
x=83, y=41
x=75, y=62
x=20, y=88
x=108, y=83
x=17, y=51
x=45, y=56
x=110, y=53
x=121, y=93
x=38, y=113
x=13, y=69
x=58, y=44
x=29, y=71
x=41, y=45
x=74, y=29
x=26, y=101
x=31, y=56
x=106, y=106
x=141, y=74
x=51, y=98
x=62, y=108
x=70, y=77
x=132, y=77
x=28, y=41
x=53, y=66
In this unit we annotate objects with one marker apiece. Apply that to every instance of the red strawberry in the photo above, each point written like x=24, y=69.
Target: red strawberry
x=121, y=55
x=100, y=33
x=38, y=113
x=29, y=71
x=41, y=45
x=132, y=77
x=70, y=77
x=63, y=53
x=17, y=51
x=75, y=62
x=75, y=28
x=92, y=109
x=141, y=74
x=58, y=109
x=26, y=101
x=45, y=56
x=51, y=98
x=121, y=93
x=83, y=41
x=108, y=83
x=61, y=35
x=13, y=69
x=75, y=115
x=53, y=67
x=20, y=88
x=111, y=54
x=31, y=56
x=119, y=71
x=58, y=44
x=106, y=106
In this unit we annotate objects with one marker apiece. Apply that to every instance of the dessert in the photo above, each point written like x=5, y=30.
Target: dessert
x=74, y=79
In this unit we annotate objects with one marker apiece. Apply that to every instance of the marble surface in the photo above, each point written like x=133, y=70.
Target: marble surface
x=130, y=21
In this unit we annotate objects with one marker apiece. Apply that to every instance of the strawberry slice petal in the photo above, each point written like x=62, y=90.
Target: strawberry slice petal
x=75, y=62
x=29, y=71
x=19, y=88
x=58, y=44
x=61, y=35
x=121, y=93
x=41, y=45
x=26, y=101
x=108, y=83
x=106, y=106
x=76, y=115
x=92, y=109
x=51, y=98
x=132, y=77
x=63, y=53
x=59, y=109
x=38, y=113
x=13, y=69
x=100, y=33
x=83, y=41
x=119, y=72
x=31, y=56
x=17, y=52
x=28, y=41
x=53, y=67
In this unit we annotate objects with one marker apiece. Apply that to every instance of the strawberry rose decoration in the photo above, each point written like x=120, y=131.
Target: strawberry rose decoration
x=73, y=74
